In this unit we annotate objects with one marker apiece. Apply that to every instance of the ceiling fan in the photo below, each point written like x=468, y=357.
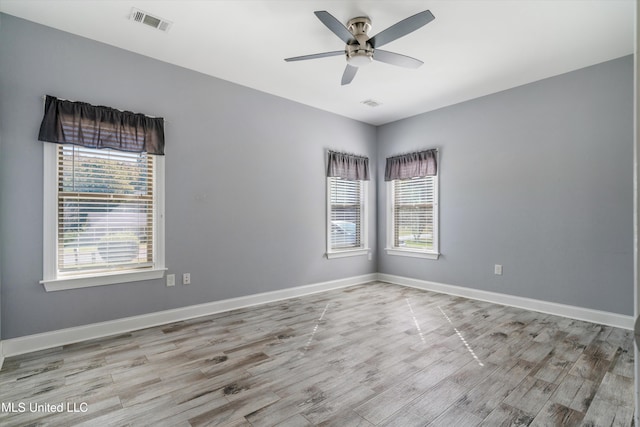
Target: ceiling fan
x=362, y=49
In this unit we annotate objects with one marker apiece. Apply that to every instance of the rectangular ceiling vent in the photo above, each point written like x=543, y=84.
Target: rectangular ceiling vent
x=143, y=17
x=371, y=103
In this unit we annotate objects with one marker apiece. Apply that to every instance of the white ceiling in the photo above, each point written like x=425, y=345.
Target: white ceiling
x=472, y=48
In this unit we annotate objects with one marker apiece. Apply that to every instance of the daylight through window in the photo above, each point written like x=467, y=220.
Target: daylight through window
x=414, y=202
x=105, y=210
x=346, y=214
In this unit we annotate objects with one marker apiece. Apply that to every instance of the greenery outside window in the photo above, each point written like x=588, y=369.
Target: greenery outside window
x=103, y=216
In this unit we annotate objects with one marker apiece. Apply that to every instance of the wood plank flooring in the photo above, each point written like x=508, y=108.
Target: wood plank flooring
x=369, y=355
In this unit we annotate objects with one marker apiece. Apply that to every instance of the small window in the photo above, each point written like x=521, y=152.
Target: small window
x=413, y=228
x=346, y=229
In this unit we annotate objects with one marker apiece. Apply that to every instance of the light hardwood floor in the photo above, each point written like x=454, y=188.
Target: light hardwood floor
x=373, y=354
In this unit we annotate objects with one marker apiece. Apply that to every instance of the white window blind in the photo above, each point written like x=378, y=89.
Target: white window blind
x=415, y=214
x=346, y=208
x=105, y=211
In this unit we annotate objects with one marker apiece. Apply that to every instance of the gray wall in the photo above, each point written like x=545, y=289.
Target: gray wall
x=539, y=179
x=245, y=197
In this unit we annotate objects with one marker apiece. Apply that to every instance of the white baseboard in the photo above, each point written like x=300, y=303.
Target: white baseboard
x=573, y=312
x=29, y=343
x=1, y=356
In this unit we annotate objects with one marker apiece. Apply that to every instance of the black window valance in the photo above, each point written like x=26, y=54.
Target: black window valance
x=348, y=166
x=79, y=123
x=422, y=163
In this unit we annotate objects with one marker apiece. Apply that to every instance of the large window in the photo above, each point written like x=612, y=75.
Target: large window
x=102, y=216
x=347, y=176
x=414, y=225
x=346, y=231
x=412, y=228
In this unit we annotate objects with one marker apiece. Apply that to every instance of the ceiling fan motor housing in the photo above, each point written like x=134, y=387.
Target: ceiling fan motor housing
x=359, y=51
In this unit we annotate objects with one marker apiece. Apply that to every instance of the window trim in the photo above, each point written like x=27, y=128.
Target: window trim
x=49, y=243
x=364, y=221
x=413, y=253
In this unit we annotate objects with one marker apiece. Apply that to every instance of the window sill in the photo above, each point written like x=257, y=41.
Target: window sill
x=347, y=253
x=106, y=279
x=413, y=254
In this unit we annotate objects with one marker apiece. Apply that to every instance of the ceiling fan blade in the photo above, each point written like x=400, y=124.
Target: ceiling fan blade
x=401, y=28
x=315, y=56
x=334, y=25
x=396, y=59
x=348, y=75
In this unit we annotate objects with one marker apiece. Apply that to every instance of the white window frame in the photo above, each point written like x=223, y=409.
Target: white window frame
x=414, y=253
x=364, y=224
x=51, y=281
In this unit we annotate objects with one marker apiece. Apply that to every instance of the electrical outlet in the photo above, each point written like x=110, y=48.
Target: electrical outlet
x=497, y=270
x=171, y=279
x=186, y=279
x=370, y=256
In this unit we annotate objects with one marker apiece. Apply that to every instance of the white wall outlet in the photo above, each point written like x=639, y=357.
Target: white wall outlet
x=497, y=270
x=171, y=279
x=186, y=279
x=370, y=256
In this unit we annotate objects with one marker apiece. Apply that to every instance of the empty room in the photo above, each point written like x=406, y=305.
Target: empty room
x=331, y=213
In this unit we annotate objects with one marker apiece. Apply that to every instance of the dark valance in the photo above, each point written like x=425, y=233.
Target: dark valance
x=423, y=163
x=348, y=166
x=79, y=123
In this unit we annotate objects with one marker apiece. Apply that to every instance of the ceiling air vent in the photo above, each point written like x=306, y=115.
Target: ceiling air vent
x=371, y=103
x=143, y=17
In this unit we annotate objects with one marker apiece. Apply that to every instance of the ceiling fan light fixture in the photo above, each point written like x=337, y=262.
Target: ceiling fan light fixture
x=360, y=59
x=359, y=56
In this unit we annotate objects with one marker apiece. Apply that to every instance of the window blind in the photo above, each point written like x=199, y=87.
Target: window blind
x=346, y=213
x=414, y=213
x=105, y=210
